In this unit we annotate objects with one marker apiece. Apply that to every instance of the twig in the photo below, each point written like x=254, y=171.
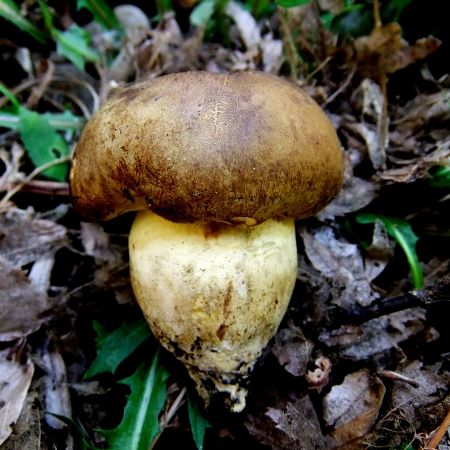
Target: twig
x=445, y=425
x=4, y=201
x=44, y=187
x=341, y=88
x=168, y=416
x=398, y=377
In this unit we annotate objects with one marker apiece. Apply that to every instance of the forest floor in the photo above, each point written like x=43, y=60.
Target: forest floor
x=362, y=358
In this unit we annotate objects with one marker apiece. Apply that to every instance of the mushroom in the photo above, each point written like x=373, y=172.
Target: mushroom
x=218, y=168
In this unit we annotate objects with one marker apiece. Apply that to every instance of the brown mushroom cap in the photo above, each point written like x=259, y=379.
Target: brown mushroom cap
x=204, y=147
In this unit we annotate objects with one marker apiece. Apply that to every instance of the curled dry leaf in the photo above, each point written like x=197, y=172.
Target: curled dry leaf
x=320, y=376
x=245, y=23
x=15, y=379
x=291, y=424
x=375, y=336
x=384, y=51
x=352, y=408
x=292, y=350
x=137, y=27
x=341, y=263
x=418, y=168
x=356, y=193
x=56, y=390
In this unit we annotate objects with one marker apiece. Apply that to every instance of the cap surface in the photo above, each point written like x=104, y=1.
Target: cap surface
x=204, y=147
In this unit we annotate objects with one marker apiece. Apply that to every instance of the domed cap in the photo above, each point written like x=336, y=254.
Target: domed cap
x=204, y=147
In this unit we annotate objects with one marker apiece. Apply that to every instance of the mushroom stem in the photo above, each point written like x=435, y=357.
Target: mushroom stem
x=213, y=295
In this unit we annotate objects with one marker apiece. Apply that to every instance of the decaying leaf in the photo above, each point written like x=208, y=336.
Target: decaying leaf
x=291, y=424
x=320, y=376
x=292, y=350
x=384, y=51
x=15, y=379
x=56, y=389
x=24, y=238
x=356, y=193
x=375, y=336
x=413, y=409
x=27, y=429
x=23, y=304
x=352, y=407
x=341, y=263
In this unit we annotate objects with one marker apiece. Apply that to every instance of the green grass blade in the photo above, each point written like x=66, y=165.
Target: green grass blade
x=198, y=422
x=11, y=12
x=102, y=13
x=401, y=231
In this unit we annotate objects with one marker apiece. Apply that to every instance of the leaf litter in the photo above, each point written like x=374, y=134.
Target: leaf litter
x=322, y=383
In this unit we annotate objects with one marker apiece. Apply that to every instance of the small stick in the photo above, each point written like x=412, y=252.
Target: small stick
x=397, y=377
x=445, y=425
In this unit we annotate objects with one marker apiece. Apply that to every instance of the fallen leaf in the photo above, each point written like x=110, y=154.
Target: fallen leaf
x=23, y=304
x=352, y=407
x=320, y=376
x=15, y=379
x=355, y=194
x=291, y=424
x=412, y=410
x=292, y=350
x=24, y=238
x=341, y=263
x=385, y=52
x=245, y=23
x=376, y=335
x=56, y=390
x=27, y=429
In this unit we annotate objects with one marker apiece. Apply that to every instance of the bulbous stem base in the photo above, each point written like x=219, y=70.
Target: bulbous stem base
x=213, y=295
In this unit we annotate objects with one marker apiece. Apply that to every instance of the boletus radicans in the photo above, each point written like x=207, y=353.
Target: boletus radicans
x=218, y=168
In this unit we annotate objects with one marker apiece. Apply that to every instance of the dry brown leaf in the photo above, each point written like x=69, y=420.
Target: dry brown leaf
x=320, y=376
x=355, y=194
x=352, y=408
x=15, y=379
x=375, y=336
x=27, y=429
x=22, y=303
x=384, y=51
x=56, y=390
x=292, y=350
x=291, y=424
x=414, y=409
x=419, y=168
x=245, y=24
x=24, y=238
x=341, y=263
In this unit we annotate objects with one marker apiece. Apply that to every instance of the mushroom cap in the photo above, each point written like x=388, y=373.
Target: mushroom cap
x=204, y=147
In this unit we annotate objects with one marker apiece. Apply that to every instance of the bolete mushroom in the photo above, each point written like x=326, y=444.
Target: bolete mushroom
x=219, y=167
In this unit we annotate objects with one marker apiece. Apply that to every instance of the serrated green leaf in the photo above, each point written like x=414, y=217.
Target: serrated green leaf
x=42, y=143
x=11, y=12
x=140, y=423
x=202, y=13
x=74, y=45
x=102, y=12
x=401, y=231
x=198, y=422
x=292, y=3
x=114, y=347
